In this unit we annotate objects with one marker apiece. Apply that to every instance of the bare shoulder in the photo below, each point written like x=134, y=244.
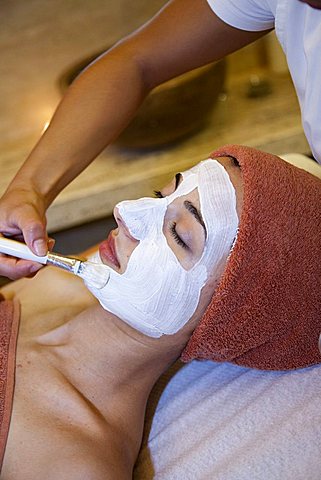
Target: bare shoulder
x=74, y=455
x=10, y=289
x=90, y=469
x=185, y=34
x=86, y=467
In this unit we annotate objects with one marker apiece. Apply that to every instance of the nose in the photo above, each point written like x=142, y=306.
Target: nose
x=121, y=224
x=142, y=216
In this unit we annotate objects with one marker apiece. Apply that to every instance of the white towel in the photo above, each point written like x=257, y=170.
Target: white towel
x=224, y=422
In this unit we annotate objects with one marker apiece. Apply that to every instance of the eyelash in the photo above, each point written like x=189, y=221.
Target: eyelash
x=177, y=238
x=158, y=194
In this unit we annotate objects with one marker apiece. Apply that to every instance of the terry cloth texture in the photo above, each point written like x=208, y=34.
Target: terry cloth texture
x=266, y=311
x=9, y=325
x=218, y=421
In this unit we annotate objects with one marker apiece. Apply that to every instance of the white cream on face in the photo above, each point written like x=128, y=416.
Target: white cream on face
x=155, y=294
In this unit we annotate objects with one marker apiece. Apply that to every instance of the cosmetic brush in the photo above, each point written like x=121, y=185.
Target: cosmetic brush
x=94, y=274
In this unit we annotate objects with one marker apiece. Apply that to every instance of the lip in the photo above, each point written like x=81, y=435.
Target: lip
x=107, y=251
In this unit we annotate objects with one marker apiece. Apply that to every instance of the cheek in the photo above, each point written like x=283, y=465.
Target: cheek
x=207, y=293
x=183, y=255
x=212, y=283
x=125, y=248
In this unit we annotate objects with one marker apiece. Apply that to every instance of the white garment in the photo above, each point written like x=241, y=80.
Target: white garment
x=298, y=29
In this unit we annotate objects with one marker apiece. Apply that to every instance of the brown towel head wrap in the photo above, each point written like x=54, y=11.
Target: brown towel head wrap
x=266, y=310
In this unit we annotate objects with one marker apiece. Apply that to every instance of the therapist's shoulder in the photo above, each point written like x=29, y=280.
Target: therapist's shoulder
x=251, y=15
x=184, y=35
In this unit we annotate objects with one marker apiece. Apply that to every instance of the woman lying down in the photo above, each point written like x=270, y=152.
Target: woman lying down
x=224, y=265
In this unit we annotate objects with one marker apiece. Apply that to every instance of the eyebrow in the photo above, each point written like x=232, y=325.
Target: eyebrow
x=196, y=214
x=178, y=178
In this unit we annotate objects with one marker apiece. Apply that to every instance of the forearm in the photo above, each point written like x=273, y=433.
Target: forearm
x=95, y=109
x=101, y=102
x=184, y=35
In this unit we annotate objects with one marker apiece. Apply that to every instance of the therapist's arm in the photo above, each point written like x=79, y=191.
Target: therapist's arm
x=100, y=103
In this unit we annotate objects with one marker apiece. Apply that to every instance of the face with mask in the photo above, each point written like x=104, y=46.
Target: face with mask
x=165, y=248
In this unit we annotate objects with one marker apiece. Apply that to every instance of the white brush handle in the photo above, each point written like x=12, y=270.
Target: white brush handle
x=20, y=250
x=95, y=275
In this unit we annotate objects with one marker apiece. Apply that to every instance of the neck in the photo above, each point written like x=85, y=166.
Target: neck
x=112, y=354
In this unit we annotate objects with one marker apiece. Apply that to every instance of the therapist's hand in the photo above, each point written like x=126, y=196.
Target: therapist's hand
x=22, y=217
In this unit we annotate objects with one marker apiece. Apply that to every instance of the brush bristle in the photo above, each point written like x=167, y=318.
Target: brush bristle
x=95, y=275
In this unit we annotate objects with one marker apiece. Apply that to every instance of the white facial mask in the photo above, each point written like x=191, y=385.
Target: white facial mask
x=155, y=294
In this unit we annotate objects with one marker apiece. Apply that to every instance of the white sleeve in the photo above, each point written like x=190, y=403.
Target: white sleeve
x=251, y=15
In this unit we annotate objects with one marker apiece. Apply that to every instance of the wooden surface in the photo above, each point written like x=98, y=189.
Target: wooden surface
x=271, y=122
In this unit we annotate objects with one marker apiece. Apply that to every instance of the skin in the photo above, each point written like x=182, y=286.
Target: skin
x=189, y=232
x=83, y=376
x=184, y=35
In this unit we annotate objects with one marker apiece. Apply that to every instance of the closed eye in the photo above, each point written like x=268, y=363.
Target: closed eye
x=177, y=238
x=196, y=214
